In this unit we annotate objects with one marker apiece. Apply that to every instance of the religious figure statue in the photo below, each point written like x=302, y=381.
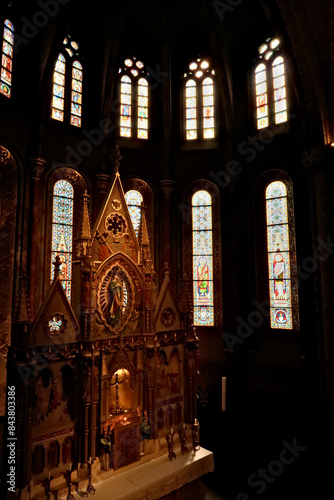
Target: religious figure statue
x=115, y=293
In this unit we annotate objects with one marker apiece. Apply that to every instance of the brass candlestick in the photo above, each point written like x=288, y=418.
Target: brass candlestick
x=90, y=487
x=182, y=434
x=69, y=483
x=196, y=444
x=170, y=443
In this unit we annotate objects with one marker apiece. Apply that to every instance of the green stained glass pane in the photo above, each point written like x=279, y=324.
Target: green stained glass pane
x=142, y=112
x=203, y=288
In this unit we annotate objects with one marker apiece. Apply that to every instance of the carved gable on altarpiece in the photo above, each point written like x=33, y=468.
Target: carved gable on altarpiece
x=113, y=231
x=55, y=322
x=167, y=316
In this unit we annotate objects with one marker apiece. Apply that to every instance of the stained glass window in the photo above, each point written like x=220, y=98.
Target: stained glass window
x=134, y=100
x=279, y=256
x=202, y=259
x=7, y=59
x=58, y=98
x=270, y=85
x=134, y=199
x=76, y=95
x=125, y=129
x=67, y=89
x=62, y=229
x=199, y=101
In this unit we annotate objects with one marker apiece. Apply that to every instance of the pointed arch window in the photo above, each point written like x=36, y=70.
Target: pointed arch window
x=199, y=101
x=134, y=100
x=270, y=85
x=62, y=232
x=134, y=200
x=67, y=85
x=202, y=245
x=7, y=59
x=281, y=257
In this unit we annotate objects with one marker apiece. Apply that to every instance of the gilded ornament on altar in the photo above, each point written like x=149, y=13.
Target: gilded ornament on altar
x=168, y=316
x=116, y=225
x=55, y=325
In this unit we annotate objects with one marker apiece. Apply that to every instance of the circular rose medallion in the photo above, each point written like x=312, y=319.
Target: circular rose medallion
x=116, y=225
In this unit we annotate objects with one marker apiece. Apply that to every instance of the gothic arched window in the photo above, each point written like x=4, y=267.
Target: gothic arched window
x=67, y=88
x=134, y=100
x=199, y=101
x=62, y=232
x=7, y=59
x=202, y=249
x=280, y=257
x=270, y=85
x=134, y=200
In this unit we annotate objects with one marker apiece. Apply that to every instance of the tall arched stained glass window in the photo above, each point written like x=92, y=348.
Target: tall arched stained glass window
x=67, y=86
x=125, y=123
x=62, y=232
x=7, y=59
x=261, y=96
x=199, y=101
x=270, y=85
x=76, y=94
x=279, y=256
x=202, y=259
x=58, y=98
x=134, y=200
x=134, y=97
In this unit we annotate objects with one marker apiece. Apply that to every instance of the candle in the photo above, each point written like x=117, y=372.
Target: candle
x=171, y=431
x=223, y=393
x=90, y=460
x=184, y=425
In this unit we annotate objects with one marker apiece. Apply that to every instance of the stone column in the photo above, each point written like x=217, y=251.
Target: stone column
x=37, y=167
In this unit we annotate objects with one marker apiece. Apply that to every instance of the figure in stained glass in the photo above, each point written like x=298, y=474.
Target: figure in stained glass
x=203, y=277
x=279, y=276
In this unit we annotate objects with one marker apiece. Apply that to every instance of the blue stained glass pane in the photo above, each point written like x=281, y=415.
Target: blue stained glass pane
x=202, y=218
x=203, y=316
x=134, y=199
x=277, y=212
x=202, y=242
x=275, y=190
